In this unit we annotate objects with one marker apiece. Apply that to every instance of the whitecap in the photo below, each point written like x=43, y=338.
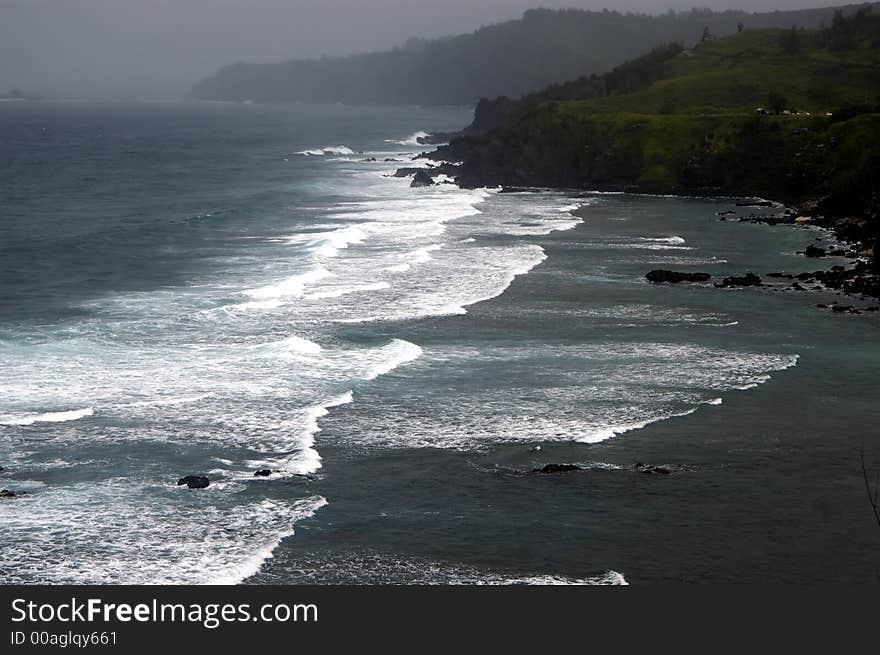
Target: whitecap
x=398, y=353
x=344, y=291
x=292, y=286
x=46, y=417
x=326, y=150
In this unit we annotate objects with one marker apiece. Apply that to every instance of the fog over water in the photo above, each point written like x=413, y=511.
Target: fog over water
x=158, y=48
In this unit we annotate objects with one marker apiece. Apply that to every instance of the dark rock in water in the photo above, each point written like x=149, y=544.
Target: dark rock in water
x=6, y=493
x=422, y=178
x=754, y=203
x=797, y=287
x=872, y=308
x=557, y=468
x=726, y=213
x=659, y=275
x=263, y=473
x=194, y=481
x=392, y=159
x=406, y=171
x=822, y=305
x=371, y=159
x=837, y=252
x=814, y=251
x=747, y=280
x=839, y=309
x=785, y=275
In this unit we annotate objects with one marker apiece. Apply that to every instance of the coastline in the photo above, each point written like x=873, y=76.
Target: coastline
x=859, y=281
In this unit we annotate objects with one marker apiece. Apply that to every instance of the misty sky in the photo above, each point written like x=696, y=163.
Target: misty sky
x=158, y=48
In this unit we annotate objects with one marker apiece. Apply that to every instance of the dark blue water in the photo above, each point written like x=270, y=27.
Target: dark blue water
x=223, y=288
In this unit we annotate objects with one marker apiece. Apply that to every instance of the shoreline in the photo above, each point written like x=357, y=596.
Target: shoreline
x=861, y=279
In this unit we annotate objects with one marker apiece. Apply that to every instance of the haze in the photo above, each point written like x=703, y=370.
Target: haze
x=159, y=48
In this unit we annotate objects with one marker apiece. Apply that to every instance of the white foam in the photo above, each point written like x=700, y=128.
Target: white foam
x=308, y=460
x=674, y=240
x=293, y=344
x=326, y=150
x=260, y=305
x=420, y=256
x=344, y=291
x=411, y=140
x=104, y=533
x=608, y=578
x=328, y=244
x=399, y=352
x=293, y=286
x=603, y=434
x=46, y=417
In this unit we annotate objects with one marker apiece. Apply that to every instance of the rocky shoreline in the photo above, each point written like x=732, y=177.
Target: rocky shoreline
x=860, y=280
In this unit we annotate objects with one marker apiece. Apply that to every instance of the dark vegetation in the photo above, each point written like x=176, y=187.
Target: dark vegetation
x=511, y=58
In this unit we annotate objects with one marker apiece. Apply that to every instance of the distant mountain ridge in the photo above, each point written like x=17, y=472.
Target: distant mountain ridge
x=511, y=59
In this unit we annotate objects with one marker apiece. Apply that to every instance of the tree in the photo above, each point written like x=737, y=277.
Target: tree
x=776, y=102
x=840, y=33
x=791, y=41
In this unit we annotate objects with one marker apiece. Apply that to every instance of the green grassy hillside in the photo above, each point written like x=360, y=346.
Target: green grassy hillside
x=687, y=121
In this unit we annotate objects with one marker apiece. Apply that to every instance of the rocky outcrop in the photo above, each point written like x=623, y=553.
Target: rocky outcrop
x=673, y=277
x=7, y=493
x=814, y=251
x=557, y=468
x=747, y=280
x=263, y=473
x=194, y=481
x=488, y=115
x=422, y=178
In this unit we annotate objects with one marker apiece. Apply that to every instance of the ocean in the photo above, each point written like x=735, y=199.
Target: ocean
x=209, y=288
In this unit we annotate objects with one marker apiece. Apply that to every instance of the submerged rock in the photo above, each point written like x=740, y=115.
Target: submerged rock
x=7, y=493
x=422, y=178
x=263, y=473
x=747, y=280
x=557, y=468
x=194, y=481
x=814, y=251
x=660, y=275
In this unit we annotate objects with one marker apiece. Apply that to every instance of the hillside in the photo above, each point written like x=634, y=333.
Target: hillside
x=792, y=115
x=511, y=58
